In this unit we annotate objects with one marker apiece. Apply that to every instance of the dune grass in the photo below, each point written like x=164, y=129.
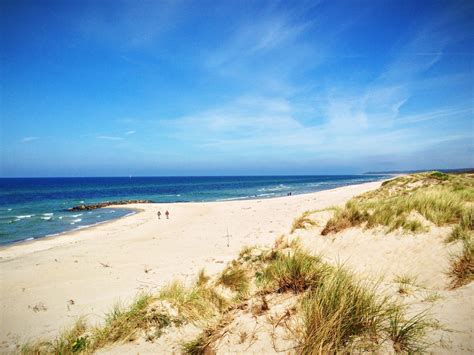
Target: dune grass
x=405, y=283
x=127, y=323
x=195, y=303
x=340, y=310
x=344, y=314
x=462, y=266
x=202, y=344
x=303, y=222
x=202, y=279
x=439, y=198
x=464, y=230
x=296, y=272
x=408, y=335
x=236, y=278
x=70, y=341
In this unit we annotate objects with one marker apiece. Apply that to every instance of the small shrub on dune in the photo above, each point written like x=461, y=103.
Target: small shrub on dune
x=439, y=175
x=296, y=272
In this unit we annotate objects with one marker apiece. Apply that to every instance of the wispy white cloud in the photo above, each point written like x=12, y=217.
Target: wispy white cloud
x=110, y=138
x=257, y=38
x=29, y=139
x=130, y=132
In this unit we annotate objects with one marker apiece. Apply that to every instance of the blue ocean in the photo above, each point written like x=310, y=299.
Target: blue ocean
x=35, y=207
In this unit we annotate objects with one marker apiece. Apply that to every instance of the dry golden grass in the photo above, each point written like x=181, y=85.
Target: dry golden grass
x=439, y=198
x=462, y=267
x=236, y=278
x=303, y=222
x=405, y=283
x=294, y=272
x=408, y=335
x=195, y=303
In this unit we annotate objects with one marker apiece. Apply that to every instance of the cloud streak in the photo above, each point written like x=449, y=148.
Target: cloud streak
x=109, y=138
x=28, y=139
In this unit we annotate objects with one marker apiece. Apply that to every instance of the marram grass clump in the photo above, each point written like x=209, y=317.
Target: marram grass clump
x=303, y=222
x=462, y=266
x=236, y=278
x=296, y=271
x=340, y=310
x=195, y=303
x=69, y=341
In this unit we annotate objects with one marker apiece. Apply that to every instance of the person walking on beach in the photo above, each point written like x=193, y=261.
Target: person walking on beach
x=159, y=214
x=167, y=214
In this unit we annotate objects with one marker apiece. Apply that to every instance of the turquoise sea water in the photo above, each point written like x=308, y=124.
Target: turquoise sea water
x=36, y=207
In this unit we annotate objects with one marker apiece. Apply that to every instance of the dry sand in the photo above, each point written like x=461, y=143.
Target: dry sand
x=47, y=284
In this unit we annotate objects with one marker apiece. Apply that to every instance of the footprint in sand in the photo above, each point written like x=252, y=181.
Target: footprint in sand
x=39, y=307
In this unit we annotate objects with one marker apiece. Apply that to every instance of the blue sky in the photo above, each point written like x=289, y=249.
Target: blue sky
x=107, y=88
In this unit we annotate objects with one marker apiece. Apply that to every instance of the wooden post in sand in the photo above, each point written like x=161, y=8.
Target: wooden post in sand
x=228, y=237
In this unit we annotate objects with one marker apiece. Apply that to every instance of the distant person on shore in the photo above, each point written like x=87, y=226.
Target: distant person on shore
x=167, y=214
x=159, y=214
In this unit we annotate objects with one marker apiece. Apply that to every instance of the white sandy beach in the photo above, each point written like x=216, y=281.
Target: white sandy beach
x=46, y=284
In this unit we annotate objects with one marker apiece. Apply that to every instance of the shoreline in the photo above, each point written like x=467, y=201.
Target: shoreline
x=54, y=235
x=136, y=210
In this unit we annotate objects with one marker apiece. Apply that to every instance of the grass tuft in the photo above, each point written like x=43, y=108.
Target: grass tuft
x=407, y=335
x=463, y=230
x=405, y=282
x=303, y=222
x=69, y=341
x=296, y=272
x=194, y=303
x=348, y=217
x=340, y=310
x=124, y=324
x=462, y=267
x=235, y=278
x=202, y=279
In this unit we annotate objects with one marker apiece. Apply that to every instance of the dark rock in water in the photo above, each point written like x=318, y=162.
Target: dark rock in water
x=106, y=204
